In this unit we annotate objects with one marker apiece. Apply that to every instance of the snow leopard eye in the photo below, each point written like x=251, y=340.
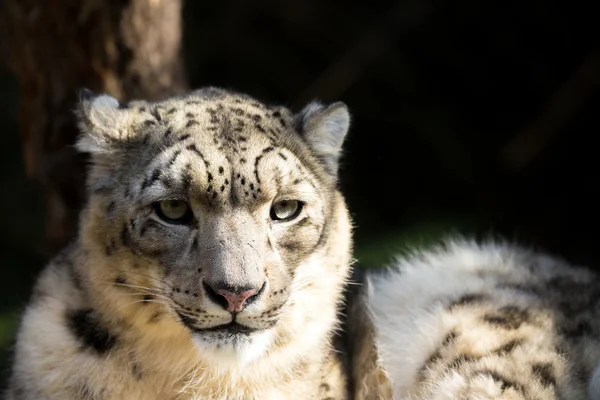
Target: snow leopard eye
x=286, y=210
x=173, y=211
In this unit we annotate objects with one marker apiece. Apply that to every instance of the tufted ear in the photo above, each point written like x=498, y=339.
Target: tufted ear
x=325, y=129
x=102, y=121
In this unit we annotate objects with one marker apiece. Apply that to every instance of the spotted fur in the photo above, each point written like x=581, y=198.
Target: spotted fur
x=125, y=313
x=468, y=321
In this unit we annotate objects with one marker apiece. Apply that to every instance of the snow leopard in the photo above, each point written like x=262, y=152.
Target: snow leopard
x=210, y=260
x=213, y=261
x=477, y=320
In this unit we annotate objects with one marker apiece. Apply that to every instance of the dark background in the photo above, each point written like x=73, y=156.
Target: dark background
x=470, y=116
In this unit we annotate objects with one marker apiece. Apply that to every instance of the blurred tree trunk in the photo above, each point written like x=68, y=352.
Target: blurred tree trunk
x=128, y=48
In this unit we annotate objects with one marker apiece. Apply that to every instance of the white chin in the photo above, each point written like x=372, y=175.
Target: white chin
x=240, y=349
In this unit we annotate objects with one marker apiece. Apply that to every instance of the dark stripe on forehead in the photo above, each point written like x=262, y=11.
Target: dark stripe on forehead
x=157, y=173
x=256, y=162
x=299, y=165
x=273, y=135
x=209, y=176
x=149, y=181
x=186, y=177
x=277, y=114
x=192, y=147
x=307, y=175
x=173, y=158
x=308, y=162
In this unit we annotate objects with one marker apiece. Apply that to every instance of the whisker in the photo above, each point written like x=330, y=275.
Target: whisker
x=127, y=305
x=146, y=288
x=129, y=273
x=138, y=280
x=144, y=294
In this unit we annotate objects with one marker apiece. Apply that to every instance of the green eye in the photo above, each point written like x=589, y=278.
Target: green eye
x=173, y=211
x=286, y=210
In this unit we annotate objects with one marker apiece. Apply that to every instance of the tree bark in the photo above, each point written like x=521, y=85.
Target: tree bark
x=127, y=48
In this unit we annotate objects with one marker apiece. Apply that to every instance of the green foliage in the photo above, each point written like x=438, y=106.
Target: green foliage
x=8, y=327
x=380, y=250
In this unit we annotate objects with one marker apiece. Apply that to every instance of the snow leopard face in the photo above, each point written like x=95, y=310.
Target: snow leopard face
x=217, y=213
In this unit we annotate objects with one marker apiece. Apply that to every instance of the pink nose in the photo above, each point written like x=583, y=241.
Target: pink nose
x=236, y=301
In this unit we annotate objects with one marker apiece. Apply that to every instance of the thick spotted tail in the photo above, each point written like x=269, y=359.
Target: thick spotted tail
x=492, y=321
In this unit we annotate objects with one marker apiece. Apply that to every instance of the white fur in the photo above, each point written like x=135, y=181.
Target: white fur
x=408, y=307
x=103, y=120
x=292, y=359
x=240, y=352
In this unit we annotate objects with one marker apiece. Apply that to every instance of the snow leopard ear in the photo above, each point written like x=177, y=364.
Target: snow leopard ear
x=325, y=128
x=103, y=122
